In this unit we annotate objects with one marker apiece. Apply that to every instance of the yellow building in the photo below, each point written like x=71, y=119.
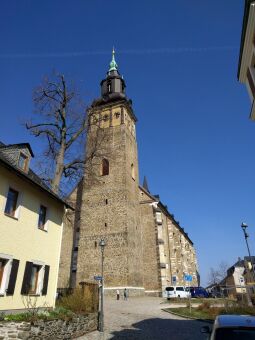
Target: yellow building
x=30, y=233
x=246, y=66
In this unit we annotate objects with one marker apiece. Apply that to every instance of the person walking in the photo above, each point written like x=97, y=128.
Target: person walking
x=125, y=294
x=118, y=294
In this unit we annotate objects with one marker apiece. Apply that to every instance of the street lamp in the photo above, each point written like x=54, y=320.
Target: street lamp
x=101, y=320
x=244, y=226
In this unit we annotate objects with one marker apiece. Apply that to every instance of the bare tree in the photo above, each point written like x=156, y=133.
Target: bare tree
x=60, y=120
x=215, y=276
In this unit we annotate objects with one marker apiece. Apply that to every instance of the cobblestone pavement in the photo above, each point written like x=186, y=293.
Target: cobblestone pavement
x=142, y=319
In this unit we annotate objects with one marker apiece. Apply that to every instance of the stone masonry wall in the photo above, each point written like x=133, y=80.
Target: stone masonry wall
x=67, y=245
x=110, y=207
x=55, y=329
x=183, y=256
x=151, y=270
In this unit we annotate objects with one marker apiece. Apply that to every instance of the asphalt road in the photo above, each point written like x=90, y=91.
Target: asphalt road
x=143, y=319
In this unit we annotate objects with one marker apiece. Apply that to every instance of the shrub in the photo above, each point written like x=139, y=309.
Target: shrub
x=204, y=306
x=79, y=302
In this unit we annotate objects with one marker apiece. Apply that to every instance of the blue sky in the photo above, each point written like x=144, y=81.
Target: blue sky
x=179, y=60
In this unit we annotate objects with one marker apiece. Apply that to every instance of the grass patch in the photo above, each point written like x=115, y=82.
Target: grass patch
x=57, y=313
x=195, y=313
x=206, y=311
x=198, y=300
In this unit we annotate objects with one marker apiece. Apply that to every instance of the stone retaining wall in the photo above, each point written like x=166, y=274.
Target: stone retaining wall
x=54, y=329
x=132, y=292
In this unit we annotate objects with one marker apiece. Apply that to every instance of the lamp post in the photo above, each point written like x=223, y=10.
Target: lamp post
x=101, y=320
x=244, y=226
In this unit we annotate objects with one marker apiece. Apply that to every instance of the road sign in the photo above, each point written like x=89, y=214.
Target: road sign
x=188, y=277
x=98, y=278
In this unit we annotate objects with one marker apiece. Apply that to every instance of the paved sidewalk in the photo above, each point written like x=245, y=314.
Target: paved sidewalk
x=142, y=319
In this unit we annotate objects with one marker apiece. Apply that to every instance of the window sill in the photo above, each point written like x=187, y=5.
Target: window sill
x=42, y=229
x=13, y=217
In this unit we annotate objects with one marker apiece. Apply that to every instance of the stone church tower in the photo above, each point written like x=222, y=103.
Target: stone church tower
x=146, y=248
x=110, y=191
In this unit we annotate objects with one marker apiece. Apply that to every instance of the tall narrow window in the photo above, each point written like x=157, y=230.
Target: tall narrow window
x=42, y=217
x=35, y=279
x=23, y=161
x=133, y=171
x=11, y=203
x=8, y=275
x=33, y=284
x=105, y=167
x=109, y=87
x=2, y=267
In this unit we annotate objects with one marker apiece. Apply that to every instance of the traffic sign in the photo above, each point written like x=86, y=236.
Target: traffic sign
x=98, y=278
x=188, y=277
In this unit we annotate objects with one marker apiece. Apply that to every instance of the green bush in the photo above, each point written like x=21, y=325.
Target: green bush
x=19, y=317
x=58, y=313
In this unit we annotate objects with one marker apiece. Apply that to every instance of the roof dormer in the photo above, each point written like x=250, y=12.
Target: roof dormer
x=18, y=155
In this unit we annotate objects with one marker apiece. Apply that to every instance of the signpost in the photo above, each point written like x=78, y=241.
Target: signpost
x=188, y=278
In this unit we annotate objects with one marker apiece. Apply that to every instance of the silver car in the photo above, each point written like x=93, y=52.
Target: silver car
x=231, y=327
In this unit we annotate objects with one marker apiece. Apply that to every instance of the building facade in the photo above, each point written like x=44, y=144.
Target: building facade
x=235, y=280
x=139, y=232
x=31, y=230
x=246, y=66
x=168, y=252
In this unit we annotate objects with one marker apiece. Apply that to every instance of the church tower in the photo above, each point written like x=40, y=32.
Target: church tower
x=110, y=191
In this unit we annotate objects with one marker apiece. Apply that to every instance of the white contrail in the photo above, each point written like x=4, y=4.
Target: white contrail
x=163, y=50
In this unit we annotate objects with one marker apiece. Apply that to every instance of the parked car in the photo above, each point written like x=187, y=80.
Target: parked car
x=198, y=292
x=176, y=292
x=231, y=327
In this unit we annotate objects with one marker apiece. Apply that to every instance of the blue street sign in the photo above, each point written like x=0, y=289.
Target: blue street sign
x=188, y=277
x=98, y=278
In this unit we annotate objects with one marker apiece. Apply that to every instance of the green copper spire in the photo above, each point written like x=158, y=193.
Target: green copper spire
x=113, y=64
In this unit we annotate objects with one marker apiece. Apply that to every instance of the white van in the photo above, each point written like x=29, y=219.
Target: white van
x=176, y=292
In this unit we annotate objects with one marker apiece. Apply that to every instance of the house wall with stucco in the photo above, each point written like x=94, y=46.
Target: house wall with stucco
x=22, y=240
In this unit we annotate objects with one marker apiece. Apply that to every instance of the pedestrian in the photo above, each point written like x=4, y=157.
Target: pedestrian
x=118, y=294
x=125, y=294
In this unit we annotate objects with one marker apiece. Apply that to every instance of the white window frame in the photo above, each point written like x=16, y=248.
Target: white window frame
x=6, y=273
x=19, y=200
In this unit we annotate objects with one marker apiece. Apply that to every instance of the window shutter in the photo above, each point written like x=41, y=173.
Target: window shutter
x=26, y=278
x=13, y=277
x=45, y=280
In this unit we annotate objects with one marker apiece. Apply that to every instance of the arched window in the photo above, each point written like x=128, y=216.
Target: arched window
x=105, y=167
x=132, y=171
